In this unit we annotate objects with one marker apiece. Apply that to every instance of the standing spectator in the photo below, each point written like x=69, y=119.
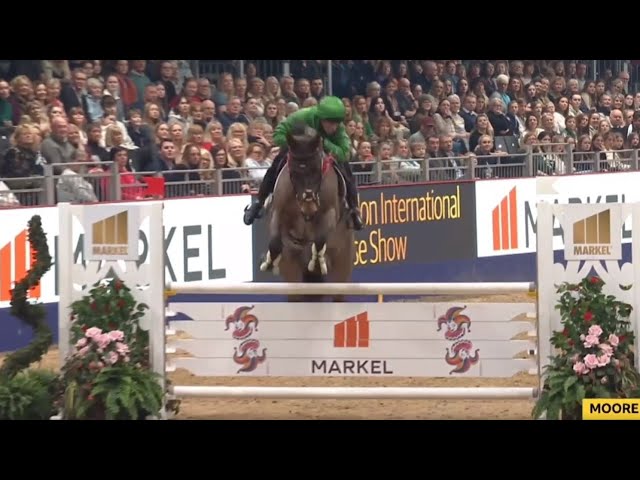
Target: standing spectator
x=140, y=80
x=6, y=110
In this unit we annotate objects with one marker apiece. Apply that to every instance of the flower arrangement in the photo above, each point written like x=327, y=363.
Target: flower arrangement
x=594, y=352
x=107, y=374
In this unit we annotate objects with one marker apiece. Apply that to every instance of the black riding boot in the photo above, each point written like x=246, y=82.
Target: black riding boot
x=352, y=195
x=253, y=211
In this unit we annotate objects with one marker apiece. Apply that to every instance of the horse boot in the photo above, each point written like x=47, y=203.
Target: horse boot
x=352, y=196
x=253, y=211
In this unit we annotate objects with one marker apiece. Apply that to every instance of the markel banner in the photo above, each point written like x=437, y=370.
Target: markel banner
x=506, y=217
x=205, y=239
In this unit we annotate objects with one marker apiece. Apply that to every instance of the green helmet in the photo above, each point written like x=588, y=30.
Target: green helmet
x=331, y=108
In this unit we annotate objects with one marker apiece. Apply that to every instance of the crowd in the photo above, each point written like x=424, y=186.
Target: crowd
x=93, y=120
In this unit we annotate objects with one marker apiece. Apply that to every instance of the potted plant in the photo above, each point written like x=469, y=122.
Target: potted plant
x=107, y=374
x=593, y=352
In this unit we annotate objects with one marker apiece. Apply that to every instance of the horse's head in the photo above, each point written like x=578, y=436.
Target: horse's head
x=305, y=167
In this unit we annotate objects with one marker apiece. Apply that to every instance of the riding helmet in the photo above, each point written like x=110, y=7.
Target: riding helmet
x=331, y=108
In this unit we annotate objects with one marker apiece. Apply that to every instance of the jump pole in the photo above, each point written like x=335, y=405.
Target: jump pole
x=346, y=393
x=282, y=288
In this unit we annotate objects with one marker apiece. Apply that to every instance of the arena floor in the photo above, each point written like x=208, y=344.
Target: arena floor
x=250, y=409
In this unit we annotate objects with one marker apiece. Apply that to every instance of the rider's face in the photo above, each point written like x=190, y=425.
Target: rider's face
x=329, y=127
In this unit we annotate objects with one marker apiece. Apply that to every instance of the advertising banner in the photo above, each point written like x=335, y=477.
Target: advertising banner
x=506, y=208
x=405, y=225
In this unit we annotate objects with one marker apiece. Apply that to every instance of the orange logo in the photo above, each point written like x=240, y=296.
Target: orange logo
x=352, y=332
x=13, y=265
x=505, y=223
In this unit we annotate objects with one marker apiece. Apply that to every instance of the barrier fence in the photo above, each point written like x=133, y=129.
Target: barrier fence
x=89, y=183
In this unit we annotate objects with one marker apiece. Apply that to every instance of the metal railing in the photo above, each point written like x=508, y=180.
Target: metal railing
x=75, y=182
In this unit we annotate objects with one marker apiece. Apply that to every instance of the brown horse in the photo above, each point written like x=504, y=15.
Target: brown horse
x=311, y=239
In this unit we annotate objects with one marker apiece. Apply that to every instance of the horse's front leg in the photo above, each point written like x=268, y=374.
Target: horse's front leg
x=274, y=253
x=325, y=224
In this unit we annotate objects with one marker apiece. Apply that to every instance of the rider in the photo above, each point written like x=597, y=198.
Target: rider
x=327, y=118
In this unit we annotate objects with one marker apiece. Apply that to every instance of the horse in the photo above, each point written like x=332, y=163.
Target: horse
x=311, y=239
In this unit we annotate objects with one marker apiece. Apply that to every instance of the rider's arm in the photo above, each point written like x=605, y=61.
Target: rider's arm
x=339, y=145
x=284, y=127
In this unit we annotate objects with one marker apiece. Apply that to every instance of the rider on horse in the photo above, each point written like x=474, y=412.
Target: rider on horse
x=327, y=118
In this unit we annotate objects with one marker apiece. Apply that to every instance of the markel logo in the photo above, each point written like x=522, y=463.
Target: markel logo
x=505, y=222
x=111, y=235
x=592, y=235
x=353, y=332
x=14, y=263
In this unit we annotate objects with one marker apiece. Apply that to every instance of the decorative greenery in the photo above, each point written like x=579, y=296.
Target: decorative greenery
x=108, y=375
x=594, y=356
x=33, y=315
x=29, y=394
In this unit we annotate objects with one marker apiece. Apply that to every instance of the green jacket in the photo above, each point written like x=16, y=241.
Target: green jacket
x=338, y=145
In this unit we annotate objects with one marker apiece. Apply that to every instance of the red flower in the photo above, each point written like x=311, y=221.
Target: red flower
x=91, y=398
x=588, y=316
x=84, y=328
x=121, y=303
x=93, y=306
x=112, y=326
x=117, y=285
x=594, y=279
x=622, y=338
x=565, y=332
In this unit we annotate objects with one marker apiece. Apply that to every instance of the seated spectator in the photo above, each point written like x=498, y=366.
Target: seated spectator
x=232, y=181
x=56, y=148
x=140, y=134
x=257, y=162
x=6, y=108
x=21, y=167
x=71, y=186
x=498, y=119
x=363, y=163
x=21, y=95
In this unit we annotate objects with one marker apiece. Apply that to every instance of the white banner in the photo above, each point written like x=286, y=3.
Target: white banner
x=205, y=240
x=506, y=214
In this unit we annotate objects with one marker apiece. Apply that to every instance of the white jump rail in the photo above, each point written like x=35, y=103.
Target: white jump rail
x=282, y=288
x=346, y=393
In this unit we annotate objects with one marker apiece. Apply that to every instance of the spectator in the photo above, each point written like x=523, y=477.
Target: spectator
x=56, y=148
x=71, y=186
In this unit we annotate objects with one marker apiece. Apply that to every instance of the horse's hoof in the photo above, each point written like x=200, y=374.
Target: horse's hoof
x=276, y=263
x=312, y=264
x=323, y=265
x=266, y=265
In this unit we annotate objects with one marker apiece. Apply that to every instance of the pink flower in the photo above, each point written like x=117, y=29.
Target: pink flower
x=116, y=335
x=122, y=348
x=575, y=358
x=606, y=348
x=111, y=358
x=614, y=340
x=83, y=351
x=81, y=343
x=603, y=360
x=126, y=359
x=102, y=340
x=93, y=332
x=591, y=340
x=580, y=368
x=595, y=330
x=591, y=361
x=582, y=337
x=100, y=365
